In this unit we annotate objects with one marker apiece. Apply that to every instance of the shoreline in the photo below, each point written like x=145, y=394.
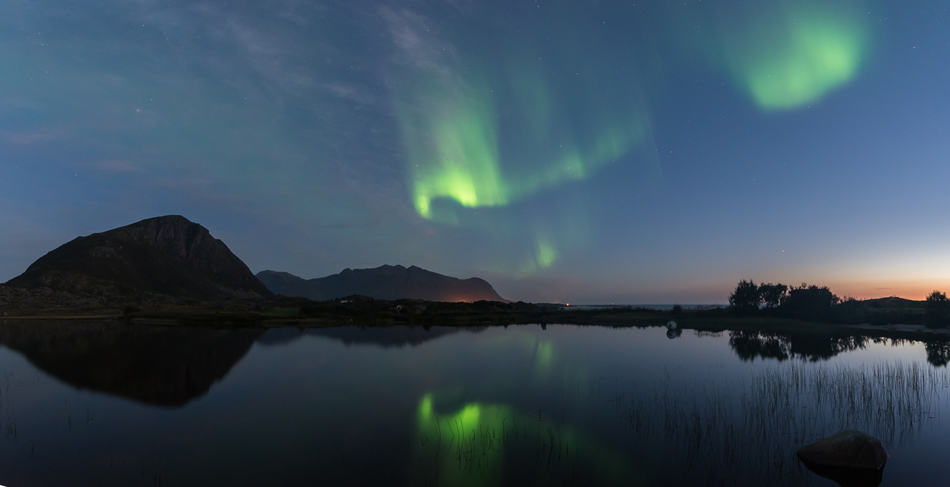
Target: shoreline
x=383, y=315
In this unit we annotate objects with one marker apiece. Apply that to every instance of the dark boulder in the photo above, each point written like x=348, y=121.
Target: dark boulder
x=850, y=457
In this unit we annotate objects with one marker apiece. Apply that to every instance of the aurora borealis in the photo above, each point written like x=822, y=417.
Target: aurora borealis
x=566, y=151
x=798, y=56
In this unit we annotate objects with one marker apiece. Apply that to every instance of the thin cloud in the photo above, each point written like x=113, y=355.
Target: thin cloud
x=118, y=166
x=412, y=34
x=349, y=93
x=28, y=137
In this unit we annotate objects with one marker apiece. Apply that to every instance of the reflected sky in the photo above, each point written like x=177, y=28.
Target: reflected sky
x=485, y=406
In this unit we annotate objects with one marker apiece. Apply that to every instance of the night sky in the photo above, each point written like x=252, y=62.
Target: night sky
x=589, y=152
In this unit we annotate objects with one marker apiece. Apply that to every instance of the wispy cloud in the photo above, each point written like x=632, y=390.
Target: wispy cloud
x=349, y=92
x=416, y=42
x=268, y=56
x=265, y=45
x=27, y=137
x=118, y=166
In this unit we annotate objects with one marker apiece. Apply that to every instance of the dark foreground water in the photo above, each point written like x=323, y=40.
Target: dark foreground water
x=98, y=404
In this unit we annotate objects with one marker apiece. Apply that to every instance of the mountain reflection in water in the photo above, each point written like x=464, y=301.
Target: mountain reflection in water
x=163, y=366
x=386, y=337
x=554, y=405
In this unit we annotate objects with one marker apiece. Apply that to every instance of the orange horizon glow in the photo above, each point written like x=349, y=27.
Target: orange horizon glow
x=913, y=289
x=908, y=290
x=916, y=290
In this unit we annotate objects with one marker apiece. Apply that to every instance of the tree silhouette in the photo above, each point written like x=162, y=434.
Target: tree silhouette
x=809, y=302
x=745, y=298
x=937, y=309
x=772, y=294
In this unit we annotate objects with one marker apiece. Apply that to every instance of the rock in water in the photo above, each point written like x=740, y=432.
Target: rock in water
x=849, y=457
x=847, y=449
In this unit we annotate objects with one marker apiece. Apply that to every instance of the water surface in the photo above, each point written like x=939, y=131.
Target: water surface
x=106, y=404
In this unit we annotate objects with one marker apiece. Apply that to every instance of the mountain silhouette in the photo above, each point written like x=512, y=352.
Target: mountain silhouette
x=384, y=282
x=167, y=255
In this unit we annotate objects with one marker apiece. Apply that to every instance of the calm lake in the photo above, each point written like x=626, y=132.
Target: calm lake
x=106, y=404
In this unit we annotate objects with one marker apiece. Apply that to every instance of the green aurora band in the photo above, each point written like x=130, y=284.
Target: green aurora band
x=545, y=254
x=462, y=442
x=464, y=156
x=468, y=446
x=455, y=154
x=799, y=56
x=493, y=122
x=545, y=355
x=490, y=121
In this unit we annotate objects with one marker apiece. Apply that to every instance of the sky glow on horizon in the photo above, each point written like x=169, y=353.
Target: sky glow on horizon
x=616, y=152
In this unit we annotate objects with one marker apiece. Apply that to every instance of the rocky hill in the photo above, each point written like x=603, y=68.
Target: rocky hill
x=164, y=256
x=385, y=282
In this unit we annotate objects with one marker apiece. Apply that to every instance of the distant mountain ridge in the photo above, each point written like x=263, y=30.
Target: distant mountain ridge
x=167, y=255
x=384, y=282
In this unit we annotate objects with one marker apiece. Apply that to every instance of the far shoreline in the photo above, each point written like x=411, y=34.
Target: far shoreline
x=372, y=313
